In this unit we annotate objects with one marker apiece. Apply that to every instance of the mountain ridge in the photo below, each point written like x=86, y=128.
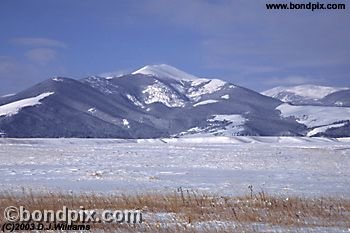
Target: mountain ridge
x=159, y=101
x=303, y=94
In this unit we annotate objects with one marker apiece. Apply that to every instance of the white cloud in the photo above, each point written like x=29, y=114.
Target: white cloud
x=243, y=38
x=115, y=73
x=6, y=65
x=38, y=42
x=17, y=74
x=289, y=80
x=203, y=16
x=41, y=55
x=38, y=61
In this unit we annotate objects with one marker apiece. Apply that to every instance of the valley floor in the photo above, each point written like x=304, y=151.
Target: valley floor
x=280, y=166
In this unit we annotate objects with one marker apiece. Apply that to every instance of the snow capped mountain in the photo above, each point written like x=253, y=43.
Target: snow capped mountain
x=302, y=94
x=159, y=84
x=162, y=101
x=165, y=71
x=307, y=91
x=184, y=84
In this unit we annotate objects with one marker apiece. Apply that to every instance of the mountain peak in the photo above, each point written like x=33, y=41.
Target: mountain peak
x=165, y=71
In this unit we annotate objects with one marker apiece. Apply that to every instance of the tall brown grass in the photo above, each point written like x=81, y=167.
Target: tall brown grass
x=190, y=211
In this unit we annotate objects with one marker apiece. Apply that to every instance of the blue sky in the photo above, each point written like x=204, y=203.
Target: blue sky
x=239, y=41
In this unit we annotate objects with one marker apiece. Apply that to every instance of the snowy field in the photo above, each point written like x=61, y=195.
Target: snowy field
x=222, y=165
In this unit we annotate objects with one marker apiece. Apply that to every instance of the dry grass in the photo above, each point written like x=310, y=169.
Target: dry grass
x=189, y=211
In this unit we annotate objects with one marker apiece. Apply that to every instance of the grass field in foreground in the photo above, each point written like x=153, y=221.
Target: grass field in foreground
x=190, y=211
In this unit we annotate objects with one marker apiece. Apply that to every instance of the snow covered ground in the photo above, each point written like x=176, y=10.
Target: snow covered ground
x=315, y=116
x=14, y=107
x=222, y=165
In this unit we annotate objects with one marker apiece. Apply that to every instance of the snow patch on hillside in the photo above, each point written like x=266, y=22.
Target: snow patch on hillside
x=56, y=79
x=205, y=102
x=313, y=116
x=14, y=107
x=162, y=94
x=234, y=124
x=226, y=97
x=218, y=125
x=8, y=95
x=135, y=101
x=339, y=103
x=92, y=110
x=235, y=119
x=198, y=82
x=323, y=129
x=102, y=85
x=126, y=123
x=211, y=86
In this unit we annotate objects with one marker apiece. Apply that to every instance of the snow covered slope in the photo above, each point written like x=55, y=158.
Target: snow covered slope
x=165, y=71
x=302, y=94
x=205, y=102
x=317, y=118
x=14, y=107
x=218, y=125
x=313, y=116
x=185, y=84
x=161, y=93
